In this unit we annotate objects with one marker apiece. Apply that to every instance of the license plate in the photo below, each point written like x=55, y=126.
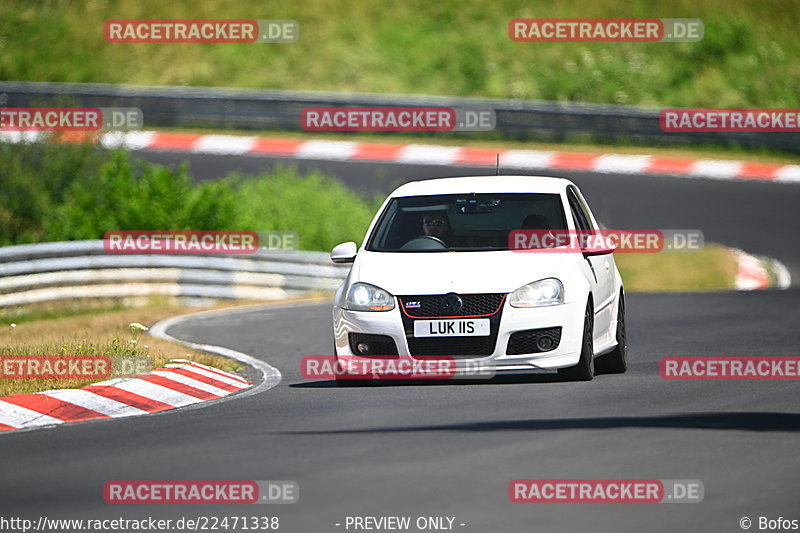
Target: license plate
x=462, y=327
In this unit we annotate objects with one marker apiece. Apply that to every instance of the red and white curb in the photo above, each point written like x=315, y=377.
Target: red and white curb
x=178, y=384
x=424, y=154
x=753, y=273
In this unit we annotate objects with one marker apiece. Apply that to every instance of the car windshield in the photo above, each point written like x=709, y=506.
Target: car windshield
x=462, y=222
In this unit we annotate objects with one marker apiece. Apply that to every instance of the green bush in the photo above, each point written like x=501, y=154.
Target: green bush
x=131, y=194
x=319, y=208
x=56, y=192
x=34, y=180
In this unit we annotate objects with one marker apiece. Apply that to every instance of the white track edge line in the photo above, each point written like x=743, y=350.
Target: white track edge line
x=270, y=375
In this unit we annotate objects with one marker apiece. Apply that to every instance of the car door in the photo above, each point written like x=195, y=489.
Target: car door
x=601, y=271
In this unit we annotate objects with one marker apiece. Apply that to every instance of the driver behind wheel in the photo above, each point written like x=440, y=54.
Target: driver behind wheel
x=436, y=224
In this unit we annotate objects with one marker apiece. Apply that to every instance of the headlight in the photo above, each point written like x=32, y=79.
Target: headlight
x=366, y=297
x=540, y=293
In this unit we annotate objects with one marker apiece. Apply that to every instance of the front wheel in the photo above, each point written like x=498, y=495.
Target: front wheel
x=616, y=362
x=584, y=370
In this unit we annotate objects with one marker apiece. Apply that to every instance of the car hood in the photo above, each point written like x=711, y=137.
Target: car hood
x=462, y=272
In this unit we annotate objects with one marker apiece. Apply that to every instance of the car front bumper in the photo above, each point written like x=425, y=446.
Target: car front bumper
x=567, y=316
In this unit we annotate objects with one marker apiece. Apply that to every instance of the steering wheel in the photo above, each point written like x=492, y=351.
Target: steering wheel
x=433, y=238
x=425, y=242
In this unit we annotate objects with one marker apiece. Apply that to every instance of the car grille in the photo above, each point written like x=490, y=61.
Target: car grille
x=430, y=306
x=525, y=341
x=379, y=344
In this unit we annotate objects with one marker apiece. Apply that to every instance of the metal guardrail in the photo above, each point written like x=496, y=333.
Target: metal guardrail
x=205, y=107
x=33, y=273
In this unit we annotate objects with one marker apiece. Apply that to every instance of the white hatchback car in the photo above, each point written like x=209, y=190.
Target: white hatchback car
x=436, y=276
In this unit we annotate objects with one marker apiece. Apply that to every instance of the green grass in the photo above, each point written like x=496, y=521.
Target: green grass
x=44, y=311
x=461, y=48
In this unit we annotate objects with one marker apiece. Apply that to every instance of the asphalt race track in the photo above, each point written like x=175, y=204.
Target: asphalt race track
x=452, y=449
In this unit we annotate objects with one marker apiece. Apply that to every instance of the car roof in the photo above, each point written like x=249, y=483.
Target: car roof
x=483, y=184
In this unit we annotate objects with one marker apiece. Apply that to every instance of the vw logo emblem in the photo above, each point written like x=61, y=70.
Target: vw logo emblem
x=452, y=304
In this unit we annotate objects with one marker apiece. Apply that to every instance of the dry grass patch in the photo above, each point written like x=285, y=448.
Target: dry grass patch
x=108, y=334
x=97, y=328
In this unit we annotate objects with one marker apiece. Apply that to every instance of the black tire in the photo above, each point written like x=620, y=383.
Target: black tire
x=584, y=370
x=616, y=362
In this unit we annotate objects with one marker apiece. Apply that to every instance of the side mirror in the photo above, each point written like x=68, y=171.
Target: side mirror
x=602, y=246
x=344, y=253
x=598, y=251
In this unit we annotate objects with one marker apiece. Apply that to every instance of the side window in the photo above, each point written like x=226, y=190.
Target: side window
x=575, y=218
x=578, y=214
x=379, y=236
x=584, y=208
